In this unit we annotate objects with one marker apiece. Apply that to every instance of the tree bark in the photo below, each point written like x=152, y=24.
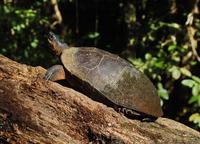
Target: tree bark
x=33, y=110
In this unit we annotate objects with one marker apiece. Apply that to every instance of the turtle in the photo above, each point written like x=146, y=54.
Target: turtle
x=104, y=77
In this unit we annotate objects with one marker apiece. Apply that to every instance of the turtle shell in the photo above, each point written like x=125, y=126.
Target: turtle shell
x=107, y=78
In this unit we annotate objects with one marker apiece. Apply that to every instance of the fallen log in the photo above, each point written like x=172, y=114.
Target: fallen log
x=33, y=110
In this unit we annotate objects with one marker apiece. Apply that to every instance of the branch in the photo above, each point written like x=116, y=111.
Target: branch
x=33, y=110
x=191, y=30
x=57, y=14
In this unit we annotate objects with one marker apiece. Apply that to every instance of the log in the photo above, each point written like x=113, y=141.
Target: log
x=33, y=110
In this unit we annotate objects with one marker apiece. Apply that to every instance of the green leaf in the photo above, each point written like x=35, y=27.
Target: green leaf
x=195, y=90
x=93, y=35
x=176, y=56
x=176, y=74
x=195, y=118
x=198, y=101
x=6, y=9
x=132, y=41
x=193, y=99
x=34, y=43
x=172, y=47
x=160, y=86
x=172, y=25
x=188, y=82
x=17, y=12
x=163, y=93
x=185, y=72
x=148, y=56
x=161, y=102
x=22, y=25
x=159, y=64
x=195, y=78
x=172, y=68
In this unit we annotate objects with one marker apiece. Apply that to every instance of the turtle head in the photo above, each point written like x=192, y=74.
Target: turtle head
x=57, y=46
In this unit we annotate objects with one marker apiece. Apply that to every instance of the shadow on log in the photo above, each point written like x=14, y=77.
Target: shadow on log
x=33, y=110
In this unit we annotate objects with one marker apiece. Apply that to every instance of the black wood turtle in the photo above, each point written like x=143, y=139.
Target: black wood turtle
x=105, y=77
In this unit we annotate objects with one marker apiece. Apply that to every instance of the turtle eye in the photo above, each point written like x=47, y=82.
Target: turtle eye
x=50, y=36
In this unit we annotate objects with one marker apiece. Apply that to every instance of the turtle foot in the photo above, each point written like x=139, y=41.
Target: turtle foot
x=55, y=73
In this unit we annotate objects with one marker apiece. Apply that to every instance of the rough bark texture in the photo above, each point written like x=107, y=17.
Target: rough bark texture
x=33, y=110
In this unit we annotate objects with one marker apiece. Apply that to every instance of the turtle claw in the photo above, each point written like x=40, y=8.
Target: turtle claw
x=48, y=75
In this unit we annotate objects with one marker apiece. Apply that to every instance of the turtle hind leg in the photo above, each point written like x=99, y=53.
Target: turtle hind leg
x=133, y=114
x=55, y=73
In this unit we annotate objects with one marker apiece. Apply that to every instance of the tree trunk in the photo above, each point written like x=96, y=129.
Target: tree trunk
x=33, y=110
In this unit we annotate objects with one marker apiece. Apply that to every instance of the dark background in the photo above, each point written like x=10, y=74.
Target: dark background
x=161, y=38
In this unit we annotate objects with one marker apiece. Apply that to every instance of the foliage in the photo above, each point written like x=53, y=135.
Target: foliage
x=194, y=84
x=22, y=31
x=169, y=61
x=153, y=35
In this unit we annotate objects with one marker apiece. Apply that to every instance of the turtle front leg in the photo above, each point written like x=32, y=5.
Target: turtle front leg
x=55, y=73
